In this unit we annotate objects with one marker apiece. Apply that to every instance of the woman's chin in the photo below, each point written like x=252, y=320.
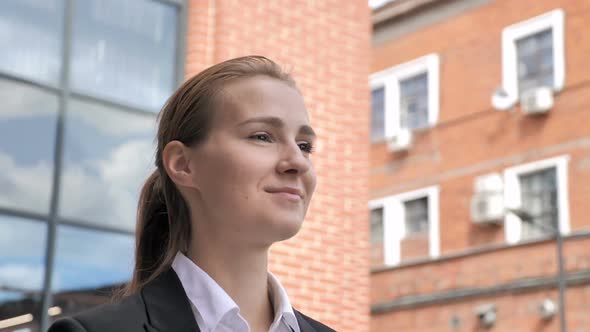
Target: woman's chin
x=285, y=230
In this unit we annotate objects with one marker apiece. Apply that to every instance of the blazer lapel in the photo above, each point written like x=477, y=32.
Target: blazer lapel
x=167, y=306
x=304, y=326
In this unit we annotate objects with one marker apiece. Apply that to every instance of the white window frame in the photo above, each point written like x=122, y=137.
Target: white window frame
x=512, y=194
x=394, y=226
x=390, y=79
x=510, y=35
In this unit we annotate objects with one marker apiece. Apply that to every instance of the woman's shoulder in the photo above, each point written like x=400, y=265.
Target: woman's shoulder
x=317, y=326
x=127, y=314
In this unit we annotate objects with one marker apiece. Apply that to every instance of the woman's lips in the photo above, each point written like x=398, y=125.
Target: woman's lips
x=288, y=196
x=292, y=194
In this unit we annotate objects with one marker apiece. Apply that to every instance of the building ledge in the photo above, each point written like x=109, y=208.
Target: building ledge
x=526, y=284
x=395, y=9
x=579, y=234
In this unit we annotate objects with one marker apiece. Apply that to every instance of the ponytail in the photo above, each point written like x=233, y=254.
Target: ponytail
x=160, y=233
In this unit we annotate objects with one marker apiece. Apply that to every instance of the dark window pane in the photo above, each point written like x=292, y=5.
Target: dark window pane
x=88, y=266
x=414, y=102
x=125, y=50
x=377, y=226
x=28, y=118
x=108, y=154
x=535, y=60
x=22, y=267
x=378, y=114
x=416, y=212
x=539, y=201
x=31, y=40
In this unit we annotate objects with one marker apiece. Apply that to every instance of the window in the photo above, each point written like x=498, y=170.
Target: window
x=377, y=250
x=22, y=264
x=538, y=195
x=414, y=102
x=28, y=116
x=410, y=226
x=416, y=216
x=108, y=154
x=84, y=276
x=533, y=54
x=128, y=48
x=539, y=191
x=377, y=114
x=377, y=226
x=31, y=39
x=535, y=61
x=408, y=94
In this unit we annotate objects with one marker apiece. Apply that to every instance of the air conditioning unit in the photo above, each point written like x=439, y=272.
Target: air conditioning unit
x=401, y=141
x=537, y=100
x=487, y=208
x=487, y=204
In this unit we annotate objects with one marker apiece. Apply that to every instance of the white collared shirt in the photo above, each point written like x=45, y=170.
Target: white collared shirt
x=216, y=311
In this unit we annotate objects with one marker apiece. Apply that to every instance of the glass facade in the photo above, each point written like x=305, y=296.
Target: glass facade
x=22, y=267
x=107, y=155
x=81, y=82
x=28, y=122
x=31, y=39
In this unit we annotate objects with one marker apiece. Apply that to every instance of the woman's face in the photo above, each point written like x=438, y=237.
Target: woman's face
x=253, y=175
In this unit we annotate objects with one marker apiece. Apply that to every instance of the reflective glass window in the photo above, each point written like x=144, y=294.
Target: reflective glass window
x=31, y=38
x=535, y=60
x=378, y=114
x=28, y=119
x=414, y=102
x=416, y=212
x=108, y=154
x=89, y=267
x=539, y=201
x=125, y=50
x=377, y=226
x=22, y=268
x=376, y=237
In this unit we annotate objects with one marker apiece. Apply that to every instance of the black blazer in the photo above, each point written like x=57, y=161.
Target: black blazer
x=161, y=306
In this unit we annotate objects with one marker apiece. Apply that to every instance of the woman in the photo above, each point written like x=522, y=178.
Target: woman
x=233, y=177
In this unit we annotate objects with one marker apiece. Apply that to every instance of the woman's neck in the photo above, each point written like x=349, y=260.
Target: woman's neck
x=242, y=273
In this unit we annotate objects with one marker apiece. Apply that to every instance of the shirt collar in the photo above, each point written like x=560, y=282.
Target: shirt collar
x=210, y=300
x=213, y=303
x=281, y=305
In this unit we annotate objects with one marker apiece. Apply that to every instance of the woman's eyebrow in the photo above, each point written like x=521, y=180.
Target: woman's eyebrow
x=270, y=120
x=307, y=130
x=277, y=123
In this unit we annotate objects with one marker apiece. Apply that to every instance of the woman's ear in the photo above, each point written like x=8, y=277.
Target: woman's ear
x=176, y=158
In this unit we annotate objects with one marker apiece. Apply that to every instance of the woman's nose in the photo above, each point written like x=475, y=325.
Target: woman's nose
x=293, y=160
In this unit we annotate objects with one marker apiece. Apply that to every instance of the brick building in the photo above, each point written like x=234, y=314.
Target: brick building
x=465, y=196
x=81, y=82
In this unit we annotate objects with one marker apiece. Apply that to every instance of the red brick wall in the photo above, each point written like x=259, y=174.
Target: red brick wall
x=472, y=139
x=480, y=270
x=515, y=312
x=377, y=254
x=325, y=44
x=460, y=147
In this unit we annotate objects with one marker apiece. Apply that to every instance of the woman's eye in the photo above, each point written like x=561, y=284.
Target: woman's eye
x=306, y=147
x=261, y=137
